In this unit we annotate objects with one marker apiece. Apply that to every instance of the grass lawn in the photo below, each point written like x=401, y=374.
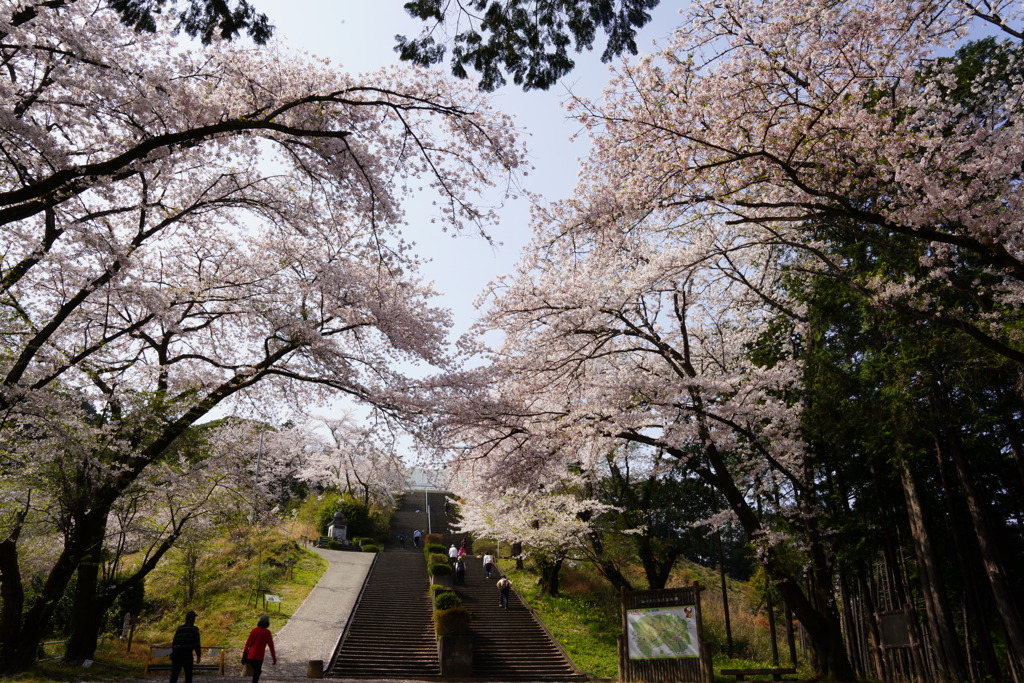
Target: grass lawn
x=225, y=618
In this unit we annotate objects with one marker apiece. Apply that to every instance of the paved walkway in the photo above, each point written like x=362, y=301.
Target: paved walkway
x=313, y=631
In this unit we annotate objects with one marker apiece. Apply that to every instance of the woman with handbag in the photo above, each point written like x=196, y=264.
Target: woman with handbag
x=256, y=646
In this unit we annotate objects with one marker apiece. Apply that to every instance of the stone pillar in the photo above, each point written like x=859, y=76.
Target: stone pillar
x=455, y=653
x=338, y=531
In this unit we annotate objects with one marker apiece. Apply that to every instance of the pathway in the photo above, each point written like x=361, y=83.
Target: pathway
x=313, y=631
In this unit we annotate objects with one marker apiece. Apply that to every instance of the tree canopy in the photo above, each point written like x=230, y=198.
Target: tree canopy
x=184, y=228
x=793, y=263
x=528, y=40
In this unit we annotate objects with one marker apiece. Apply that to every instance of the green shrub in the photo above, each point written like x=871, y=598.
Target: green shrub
x=452, y=622
x=436, y=588
x=437, y=558
x=447, y=600
x=436, y=548
x=440, y=569
x=484, y=546
x=359, y=518
x=371, y=548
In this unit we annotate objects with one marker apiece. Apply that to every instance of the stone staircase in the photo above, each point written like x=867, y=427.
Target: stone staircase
x=509, y=645
x=391, y=632
x=390, y=635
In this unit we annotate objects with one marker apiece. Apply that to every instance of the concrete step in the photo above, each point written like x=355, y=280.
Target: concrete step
x=391, y=633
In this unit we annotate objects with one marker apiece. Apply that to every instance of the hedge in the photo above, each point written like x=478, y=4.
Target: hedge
x=447, y=600
x=452, y=622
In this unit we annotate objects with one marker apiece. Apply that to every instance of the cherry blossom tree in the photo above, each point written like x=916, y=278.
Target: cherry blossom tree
x=780, y=116
x=649, y=338
x=550, y=523
x=659, y=305
x=342, y=454
x=187, y=228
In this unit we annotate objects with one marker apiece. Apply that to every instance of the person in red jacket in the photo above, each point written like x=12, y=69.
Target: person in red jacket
x=256, y=646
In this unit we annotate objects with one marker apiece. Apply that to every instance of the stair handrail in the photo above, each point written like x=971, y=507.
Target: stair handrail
x=351, y=615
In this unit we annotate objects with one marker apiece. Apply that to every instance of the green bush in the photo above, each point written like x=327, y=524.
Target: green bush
x=484, y=546
x=371, y=548
x=359, y=519
x=436, y=588
x=440, y=569
x=436, y=548
x=447, y=600
x=452, y=622
x=437, y=558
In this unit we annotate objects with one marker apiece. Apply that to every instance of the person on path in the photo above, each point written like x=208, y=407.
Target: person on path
x=460, y=572
x=183, y=644
x=416, y=538
x=504, y=586
x=255, y=649
x=488, y=564
x=401, y=540
x=453, y=554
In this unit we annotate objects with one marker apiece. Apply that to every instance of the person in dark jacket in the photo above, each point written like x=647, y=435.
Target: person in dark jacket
x=460, y=572
x=256, y=646
x=184, y=643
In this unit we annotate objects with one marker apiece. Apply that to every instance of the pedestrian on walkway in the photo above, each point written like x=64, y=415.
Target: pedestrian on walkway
x=401, y=540
x=255, y=649
x=453, y=554
x=488, y=564
x=416, y=538
x=504, y=586
x=183, y=644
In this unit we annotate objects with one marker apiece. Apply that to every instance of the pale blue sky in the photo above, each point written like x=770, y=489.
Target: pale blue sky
x=358, y=35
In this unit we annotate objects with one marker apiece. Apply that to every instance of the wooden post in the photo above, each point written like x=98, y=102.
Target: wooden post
x=725, y=594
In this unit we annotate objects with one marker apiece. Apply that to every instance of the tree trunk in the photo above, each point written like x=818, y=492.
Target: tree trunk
x=873, y=629
x=86, y=614
x=22, y=634
x=549, y=577
x=86, y=611
x=819, y=616
x=1005, y=598
x=606, y=566
x=608, y=570
x=657, y=571
x=828, y=651
x=725, y=594
x=947, y=654
x=12, y=603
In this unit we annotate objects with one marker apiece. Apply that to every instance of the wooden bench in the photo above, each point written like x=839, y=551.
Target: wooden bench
x=160, y=659
x=741, y=674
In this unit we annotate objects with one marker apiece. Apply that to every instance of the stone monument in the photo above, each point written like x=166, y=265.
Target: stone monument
x=338, y=531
